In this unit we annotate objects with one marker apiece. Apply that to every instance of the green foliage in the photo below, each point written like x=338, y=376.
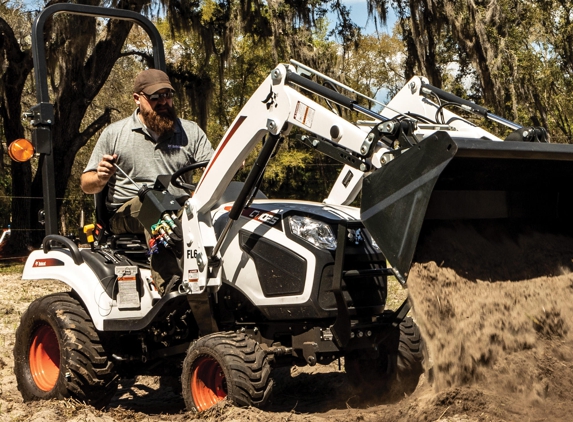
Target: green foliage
x=298, y=172
x=5, y=192
x=375, y=66
x=11, y=268
x=511, y=56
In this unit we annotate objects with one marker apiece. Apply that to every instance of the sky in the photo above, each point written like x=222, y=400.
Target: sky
x=359, y=14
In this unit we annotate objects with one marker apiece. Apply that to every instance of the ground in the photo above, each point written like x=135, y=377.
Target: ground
x=499, y=349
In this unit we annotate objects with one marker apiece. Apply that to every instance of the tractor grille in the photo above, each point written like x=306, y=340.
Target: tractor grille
x=365, y=293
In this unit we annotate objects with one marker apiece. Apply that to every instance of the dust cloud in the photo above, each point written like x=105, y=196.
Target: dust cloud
x=495, y=306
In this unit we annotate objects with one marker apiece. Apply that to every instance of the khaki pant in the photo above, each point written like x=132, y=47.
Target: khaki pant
x=164, y=263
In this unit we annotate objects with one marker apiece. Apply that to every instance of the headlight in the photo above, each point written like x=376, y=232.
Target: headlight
x=315, y=232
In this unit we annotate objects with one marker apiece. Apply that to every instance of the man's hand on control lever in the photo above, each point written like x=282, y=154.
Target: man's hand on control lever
x=94, y=181
x=105, y=168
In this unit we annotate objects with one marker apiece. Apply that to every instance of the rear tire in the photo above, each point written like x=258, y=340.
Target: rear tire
x=58, y=354
x=397, y=369
x=226, y=365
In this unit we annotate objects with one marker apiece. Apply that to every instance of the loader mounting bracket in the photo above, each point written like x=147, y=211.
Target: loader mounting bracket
x=202, y=306
x=397, y=134
x=316, y=340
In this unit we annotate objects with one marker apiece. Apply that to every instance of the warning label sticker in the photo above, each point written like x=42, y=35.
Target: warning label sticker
x=304, y=114
x=194, y=280
x=127, y=294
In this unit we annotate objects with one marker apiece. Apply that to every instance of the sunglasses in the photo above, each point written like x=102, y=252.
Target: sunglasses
x=155, y=97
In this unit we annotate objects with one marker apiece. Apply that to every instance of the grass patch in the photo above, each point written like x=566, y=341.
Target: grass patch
x=12, y=268
x=396, y=294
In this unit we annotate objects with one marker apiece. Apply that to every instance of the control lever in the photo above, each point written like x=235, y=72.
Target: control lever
x=125, y=174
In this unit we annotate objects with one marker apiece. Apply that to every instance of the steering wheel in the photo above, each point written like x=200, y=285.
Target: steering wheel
x=183, y=170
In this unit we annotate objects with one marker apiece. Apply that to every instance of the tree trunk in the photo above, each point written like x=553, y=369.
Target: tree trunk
x=18, y=65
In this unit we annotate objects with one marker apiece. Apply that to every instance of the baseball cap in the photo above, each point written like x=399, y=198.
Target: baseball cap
x=150, y=81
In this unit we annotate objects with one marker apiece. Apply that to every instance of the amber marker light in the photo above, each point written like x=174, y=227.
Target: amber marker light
x=21, y=150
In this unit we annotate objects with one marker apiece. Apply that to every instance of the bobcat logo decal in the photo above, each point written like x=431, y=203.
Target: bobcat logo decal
x=270, y=100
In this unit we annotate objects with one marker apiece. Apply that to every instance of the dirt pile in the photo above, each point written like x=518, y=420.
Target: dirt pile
x=493, y=323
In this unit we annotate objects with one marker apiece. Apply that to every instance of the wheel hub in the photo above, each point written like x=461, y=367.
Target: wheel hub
x=44, y=358
x=208, y=383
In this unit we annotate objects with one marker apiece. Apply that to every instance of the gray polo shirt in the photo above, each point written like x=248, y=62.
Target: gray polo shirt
x=143, y=158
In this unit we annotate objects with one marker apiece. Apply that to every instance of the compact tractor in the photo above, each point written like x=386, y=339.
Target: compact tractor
x=266, y=282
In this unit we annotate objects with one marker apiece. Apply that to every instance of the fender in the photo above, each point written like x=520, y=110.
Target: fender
x=58, y=264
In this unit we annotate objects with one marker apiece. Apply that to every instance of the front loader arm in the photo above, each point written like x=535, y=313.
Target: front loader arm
x=274, y=108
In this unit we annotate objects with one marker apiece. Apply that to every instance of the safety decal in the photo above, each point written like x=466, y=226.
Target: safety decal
x=127, y=295
x=304, y=114
x=194, y=280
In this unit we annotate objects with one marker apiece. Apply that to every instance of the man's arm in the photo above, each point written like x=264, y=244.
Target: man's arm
x=94, y=181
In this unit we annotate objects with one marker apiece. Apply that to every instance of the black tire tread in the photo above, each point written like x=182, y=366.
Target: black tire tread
x=86, y=373
x=248, y=363
x=410, y=359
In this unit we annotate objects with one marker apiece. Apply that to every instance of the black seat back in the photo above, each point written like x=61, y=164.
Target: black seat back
x=132, y=245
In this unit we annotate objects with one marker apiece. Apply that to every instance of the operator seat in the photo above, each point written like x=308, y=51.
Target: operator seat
x=132, y=245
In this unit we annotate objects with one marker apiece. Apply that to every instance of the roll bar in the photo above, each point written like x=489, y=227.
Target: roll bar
x=42, y=114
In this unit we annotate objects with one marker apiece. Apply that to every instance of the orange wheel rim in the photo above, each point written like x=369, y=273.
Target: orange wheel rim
x=208, y=383
x=45, y=358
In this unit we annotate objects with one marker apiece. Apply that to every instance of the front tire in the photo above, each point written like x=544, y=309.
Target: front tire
x=58, y=354
x=226, y=365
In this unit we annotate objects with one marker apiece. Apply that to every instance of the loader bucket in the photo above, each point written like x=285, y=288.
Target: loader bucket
x=496, y=189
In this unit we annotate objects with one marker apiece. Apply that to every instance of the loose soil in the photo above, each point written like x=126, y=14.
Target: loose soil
x=496, y=312
x=495, y=306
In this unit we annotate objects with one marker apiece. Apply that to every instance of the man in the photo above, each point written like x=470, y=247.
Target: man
x=151, y=142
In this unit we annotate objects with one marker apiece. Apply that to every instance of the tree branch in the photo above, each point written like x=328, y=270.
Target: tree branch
x=146, y=57
x=103, y=120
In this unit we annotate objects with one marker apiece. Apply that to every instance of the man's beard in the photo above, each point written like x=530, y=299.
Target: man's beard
x=160, y=123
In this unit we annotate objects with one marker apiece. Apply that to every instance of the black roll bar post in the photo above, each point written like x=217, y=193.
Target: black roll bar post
x=42, y=114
